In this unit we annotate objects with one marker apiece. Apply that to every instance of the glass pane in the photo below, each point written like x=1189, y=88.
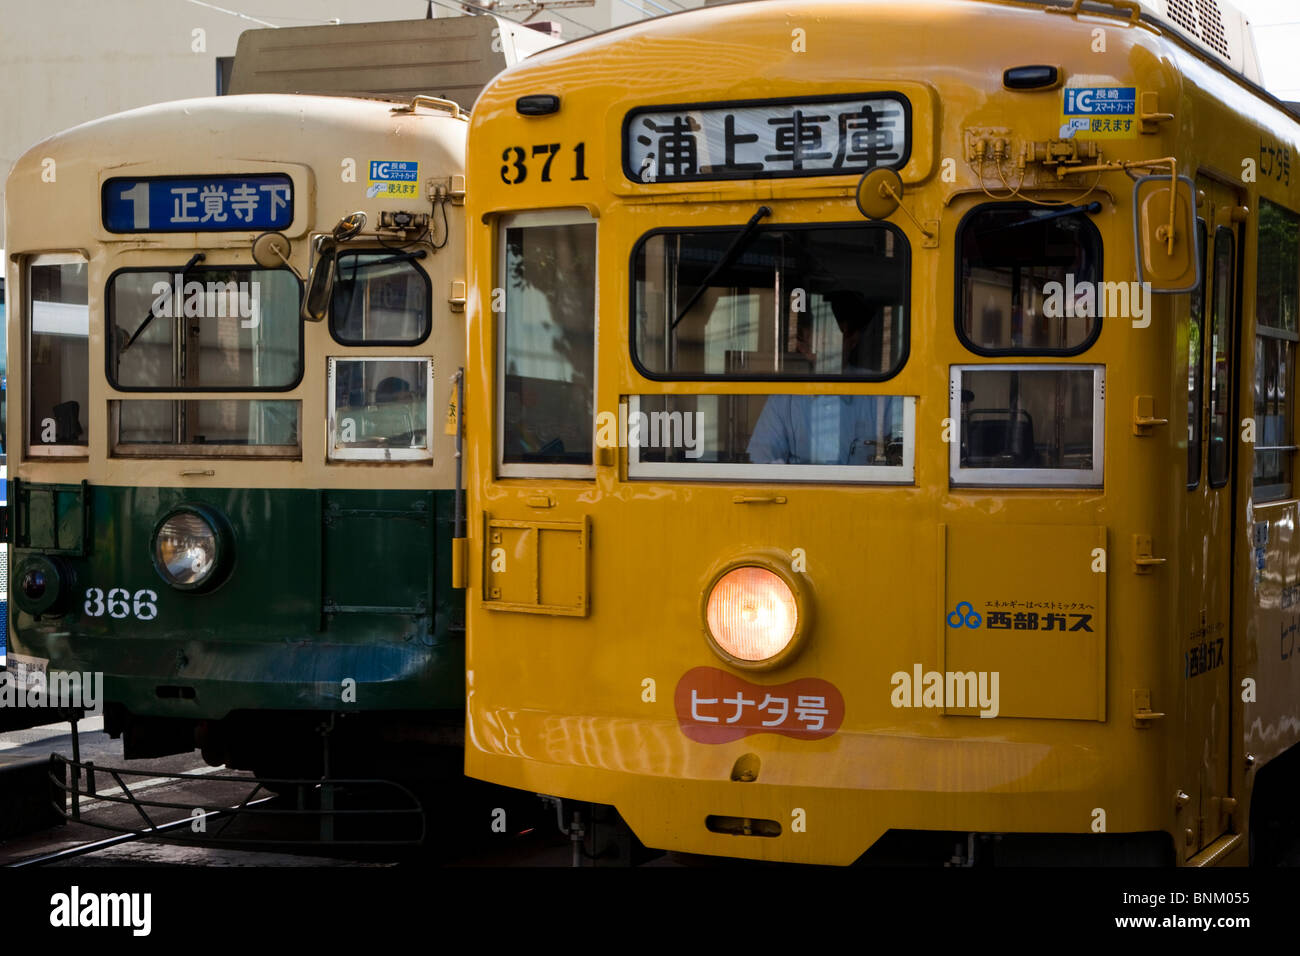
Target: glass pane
x=1196, y=370
x=785, y=303
x=380, y=297
x=1008, y=255
x=59, y=378
x=1274, y=366
x=208, y=422
x=1027, y=419
x=1220, y=362
x=549, y=331
x=764, y=429
x=213, y=328
x=1279, y=267
x=380, y=403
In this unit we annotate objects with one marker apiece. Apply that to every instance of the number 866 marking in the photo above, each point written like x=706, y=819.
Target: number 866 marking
x=142, y=606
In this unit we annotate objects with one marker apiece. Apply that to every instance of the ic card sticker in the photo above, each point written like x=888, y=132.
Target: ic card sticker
x=394, y=179
x=1099, y=112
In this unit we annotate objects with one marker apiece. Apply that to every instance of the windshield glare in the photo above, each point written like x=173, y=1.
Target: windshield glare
x=210, y=328
x=826, y=302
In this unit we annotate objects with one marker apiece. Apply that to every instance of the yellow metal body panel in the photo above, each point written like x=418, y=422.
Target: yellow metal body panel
x=583, y=707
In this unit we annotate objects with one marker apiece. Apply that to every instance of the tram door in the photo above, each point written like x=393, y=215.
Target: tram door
x=1205, y=618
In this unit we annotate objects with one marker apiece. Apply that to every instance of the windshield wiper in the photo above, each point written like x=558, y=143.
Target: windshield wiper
x=1091, y=209
x=197, y=257
x=727, y=259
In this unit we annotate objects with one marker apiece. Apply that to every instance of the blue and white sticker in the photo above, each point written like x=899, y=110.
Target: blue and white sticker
x=394, y=179
x=1099, y=112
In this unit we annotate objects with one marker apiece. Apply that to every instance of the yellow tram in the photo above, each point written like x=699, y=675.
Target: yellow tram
x=881, y=431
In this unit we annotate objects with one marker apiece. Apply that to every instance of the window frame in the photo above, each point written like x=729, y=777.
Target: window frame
x=109, y=314
x=421, y=455
x=383, y=343
x=1278, y=491
x=1232, y=346
x=735, y=472
x=959, y=298
x=523, y=220
x=1203, y=235
x=905, y=351
x=34, y=449
x=183, y=450
x=1072, y=478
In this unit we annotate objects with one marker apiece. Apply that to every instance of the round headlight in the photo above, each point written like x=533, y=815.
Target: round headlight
x=44, y=585
x=752, y=614
x=186, y=549
x=34, y=584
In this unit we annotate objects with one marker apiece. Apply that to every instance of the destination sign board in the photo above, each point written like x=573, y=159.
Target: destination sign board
x=198, y=204
x=766, y=139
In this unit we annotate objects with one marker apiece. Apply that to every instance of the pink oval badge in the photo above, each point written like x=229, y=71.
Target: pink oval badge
x=715, y=707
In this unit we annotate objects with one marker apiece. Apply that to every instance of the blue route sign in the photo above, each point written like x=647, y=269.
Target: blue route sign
x=206, y=204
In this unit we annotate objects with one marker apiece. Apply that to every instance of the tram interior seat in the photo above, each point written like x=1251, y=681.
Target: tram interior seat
x=1000, y=437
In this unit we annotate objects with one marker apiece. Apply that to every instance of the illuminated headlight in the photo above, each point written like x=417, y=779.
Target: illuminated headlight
x=187, y=549
x=752, y=615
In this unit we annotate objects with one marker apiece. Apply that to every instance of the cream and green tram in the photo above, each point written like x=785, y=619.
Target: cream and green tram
x=236, y=324
x=881, y=433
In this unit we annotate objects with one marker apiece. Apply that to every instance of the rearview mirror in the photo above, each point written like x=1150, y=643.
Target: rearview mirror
x=320, y=282
x=1165, y=234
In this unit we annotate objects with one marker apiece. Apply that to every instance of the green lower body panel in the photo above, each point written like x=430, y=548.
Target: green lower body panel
x=335, y=601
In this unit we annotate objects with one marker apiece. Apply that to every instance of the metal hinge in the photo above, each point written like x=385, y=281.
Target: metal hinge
x=1143, y=561
x=1144, y=419
x=1143, y=715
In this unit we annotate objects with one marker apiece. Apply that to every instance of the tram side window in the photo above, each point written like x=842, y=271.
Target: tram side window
x=58, y=373
x=379, y=409
x=1029, y=281
x=547, y=334
x=1035, y=425
x=1221, y=431
x=1196, y=369
x=1277, y=331
x=795, y=302
x=233, y=427
x=381, y=297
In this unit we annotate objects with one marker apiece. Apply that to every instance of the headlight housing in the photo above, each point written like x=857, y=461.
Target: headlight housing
x=42, y=585
x=190, y=548
x=754, y=616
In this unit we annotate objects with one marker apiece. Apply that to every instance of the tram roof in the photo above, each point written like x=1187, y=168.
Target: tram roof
x=1216, y=29
x=214, y=123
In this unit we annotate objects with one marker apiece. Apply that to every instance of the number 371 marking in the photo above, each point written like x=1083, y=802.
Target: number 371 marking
x=517, y=158
x=121, y=604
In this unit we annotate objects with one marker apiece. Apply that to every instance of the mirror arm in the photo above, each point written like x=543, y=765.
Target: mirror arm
x=887, y=189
